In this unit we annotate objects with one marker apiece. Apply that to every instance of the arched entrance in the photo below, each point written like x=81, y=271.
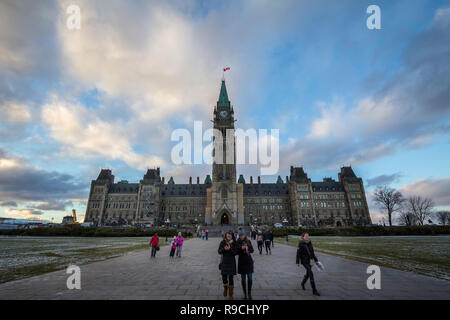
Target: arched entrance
x=224, y=218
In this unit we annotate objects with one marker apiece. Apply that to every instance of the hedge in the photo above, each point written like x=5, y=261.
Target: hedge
x=366, y=231
x=91, y=232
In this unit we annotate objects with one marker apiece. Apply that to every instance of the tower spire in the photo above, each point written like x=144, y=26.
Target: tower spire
x=223, y=96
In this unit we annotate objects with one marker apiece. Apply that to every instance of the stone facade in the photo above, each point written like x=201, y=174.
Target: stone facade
x=223, y=200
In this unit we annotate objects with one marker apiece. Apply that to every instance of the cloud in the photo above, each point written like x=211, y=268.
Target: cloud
x=83, y=134
x=436, y=189
x=14, y=112
x=384, y=179
x=408, y=112
x=19, y=181
x=24, y=213
x=59, y=205
x=8, y=204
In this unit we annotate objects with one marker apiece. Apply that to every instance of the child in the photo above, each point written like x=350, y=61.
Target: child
x=173, y=246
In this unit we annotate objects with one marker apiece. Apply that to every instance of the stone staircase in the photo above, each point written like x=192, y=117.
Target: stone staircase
x=216, y=231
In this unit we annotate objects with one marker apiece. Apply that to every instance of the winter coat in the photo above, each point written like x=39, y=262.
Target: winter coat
x=228, y=263
x=266, y=236
x=154, y=241
x=245, y=261
x=180, y=241
x=305, y=252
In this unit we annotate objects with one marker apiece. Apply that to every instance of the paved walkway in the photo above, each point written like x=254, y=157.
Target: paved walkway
x=196, y=276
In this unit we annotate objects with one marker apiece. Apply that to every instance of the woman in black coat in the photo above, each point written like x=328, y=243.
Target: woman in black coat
x=228, y=250
x=245, y=264
x=305, y=253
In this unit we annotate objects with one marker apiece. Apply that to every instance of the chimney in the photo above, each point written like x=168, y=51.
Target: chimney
x=190, y=180
x=259, y=180
x=162, y=181
x=251, y=180
x=287, y=179
x=198, y=180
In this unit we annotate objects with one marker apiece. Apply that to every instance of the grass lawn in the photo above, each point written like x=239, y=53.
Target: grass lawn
x=428, y=255
x=23, y=257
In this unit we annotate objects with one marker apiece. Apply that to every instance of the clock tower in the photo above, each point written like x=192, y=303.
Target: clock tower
x=224, y=190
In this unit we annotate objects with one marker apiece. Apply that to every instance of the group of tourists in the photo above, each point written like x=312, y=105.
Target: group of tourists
x=175, y=246
x=265, y=240
x=237, y=244
x=232, y=245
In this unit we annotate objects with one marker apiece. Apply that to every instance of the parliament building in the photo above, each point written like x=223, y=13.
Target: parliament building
x=221, y=198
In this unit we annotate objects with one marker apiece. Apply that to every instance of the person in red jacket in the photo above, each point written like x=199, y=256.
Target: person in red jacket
x=154, y=243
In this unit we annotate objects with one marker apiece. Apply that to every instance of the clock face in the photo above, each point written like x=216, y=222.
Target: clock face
x=223, y=113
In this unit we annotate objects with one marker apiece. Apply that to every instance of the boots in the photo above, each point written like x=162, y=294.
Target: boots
x=225, y=290
x=315, y=292
x=304, y=282
x=250, y=282
x=230, y=292
x=244, y=288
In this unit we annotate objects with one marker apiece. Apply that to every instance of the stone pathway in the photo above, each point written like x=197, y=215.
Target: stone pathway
x=196, y=276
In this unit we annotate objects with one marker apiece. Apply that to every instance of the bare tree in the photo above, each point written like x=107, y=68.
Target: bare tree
x=420, y=208
x=406, y=218
x=388, y=199
x=443, y=217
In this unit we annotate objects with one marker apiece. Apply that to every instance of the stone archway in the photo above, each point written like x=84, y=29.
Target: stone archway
x=224, y=218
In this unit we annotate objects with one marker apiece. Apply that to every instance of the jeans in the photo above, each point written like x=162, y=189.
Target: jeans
x=309, y=274
x=153, y=251
x=227, y=280
x=249, y=277
x=179, y=251
x=260, y=246
x=267, y=243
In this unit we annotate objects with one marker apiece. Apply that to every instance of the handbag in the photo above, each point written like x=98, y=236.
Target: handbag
x=157, y=248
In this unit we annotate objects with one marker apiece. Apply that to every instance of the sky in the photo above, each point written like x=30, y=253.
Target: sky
x=110, y=94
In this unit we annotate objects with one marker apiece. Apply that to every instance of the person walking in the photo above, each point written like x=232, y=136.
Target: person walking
x=179, y=244
x=245, y=264
x=154, y=243
x=206, y=234
x=227, y=266
x=203, y=234
x=259, y=241
x=173, y=246
x=305, y=253
x=266, y=238
x=271, y=238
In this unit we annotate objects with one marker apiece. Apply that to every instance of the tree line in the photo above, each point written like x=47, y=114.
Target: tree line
x=409, y=211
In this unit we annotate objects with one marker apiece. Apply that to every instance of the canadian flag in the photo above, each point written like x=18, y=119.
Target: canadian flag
x=225, y=69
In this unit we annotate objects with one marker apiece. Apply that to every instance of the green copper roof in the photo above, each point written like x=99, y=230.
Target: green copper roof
x=279, y=180
x=223, y=96
x=208, y=179
x=171, y=181
x=241, y=179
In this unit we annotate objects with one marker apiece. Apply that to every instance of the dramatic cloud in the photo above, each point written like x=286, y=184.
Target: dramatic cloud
x=408, y=112
x=436, y=189
x=20, y=181
x=85, y=135
x=8, y=204
x=54, y=205
x=385, y=179
x=24, y=214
